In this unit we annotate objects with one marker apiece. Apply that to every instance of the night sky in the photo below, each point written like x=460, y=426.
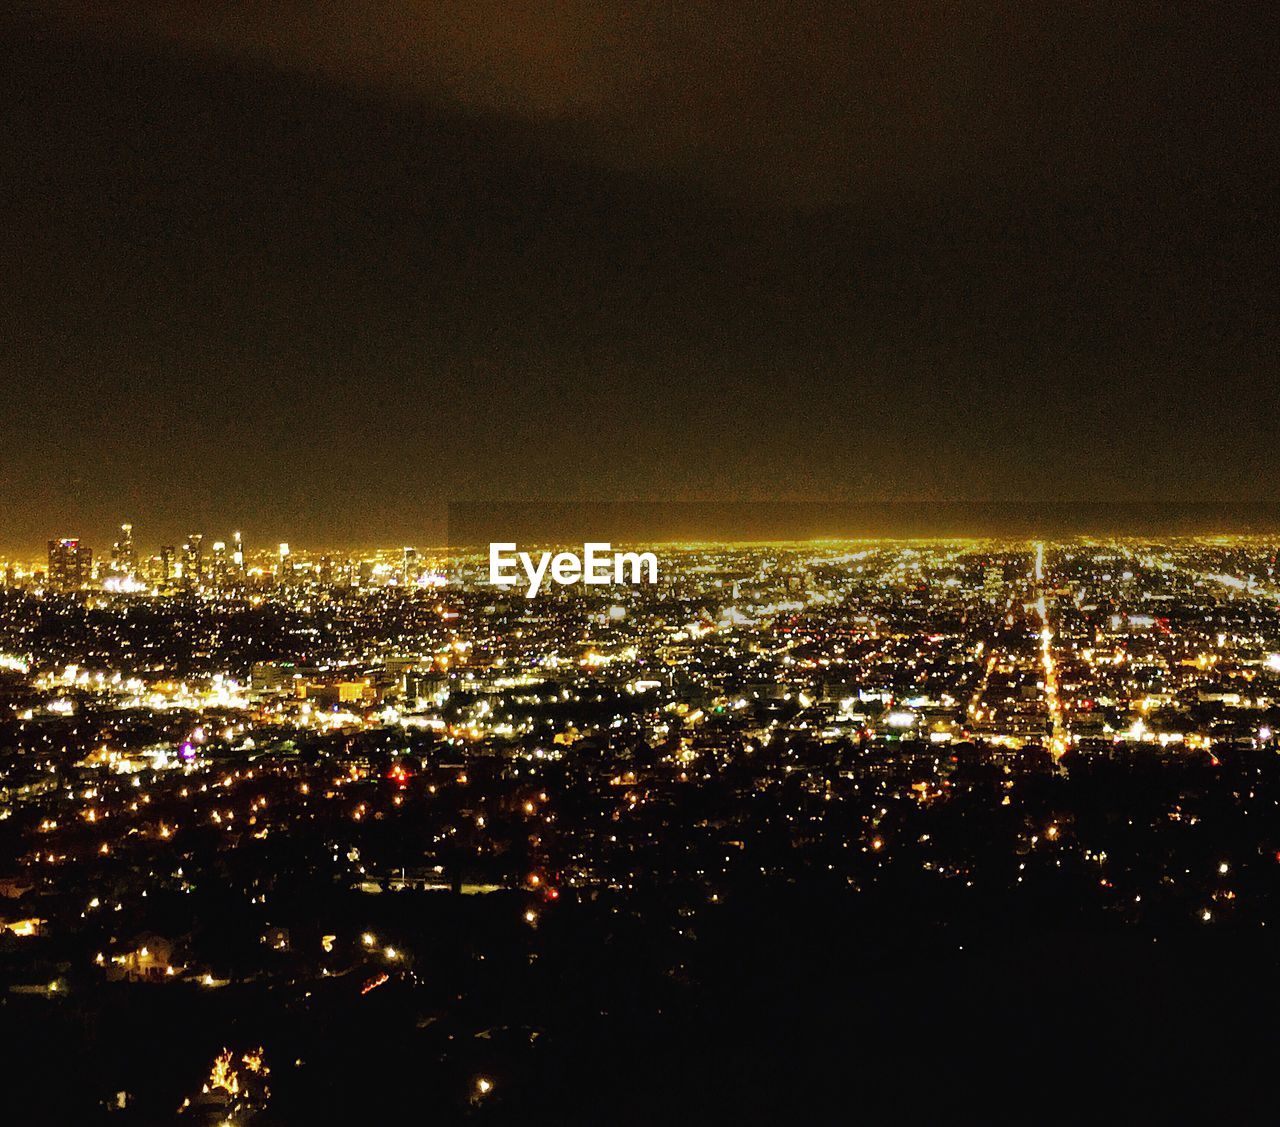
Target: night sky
x=316, y=274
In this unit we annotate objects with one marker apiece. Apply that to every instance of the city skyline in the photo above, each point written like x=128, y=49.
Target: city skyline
x=603, y=562
x=663, y=523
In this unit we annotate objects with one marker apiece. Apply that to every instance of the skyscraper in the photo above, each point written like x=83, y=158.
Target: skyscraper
x=193, y=559
x=70, y=564
x=219, y=568
x=123, y=559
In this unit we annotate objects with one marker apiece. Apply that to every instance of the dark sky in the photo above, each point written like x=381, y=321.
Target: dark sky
x=315, y=273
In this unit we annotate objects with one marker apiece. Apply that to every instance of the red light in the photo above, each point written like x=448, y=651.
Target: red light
x=373, y=984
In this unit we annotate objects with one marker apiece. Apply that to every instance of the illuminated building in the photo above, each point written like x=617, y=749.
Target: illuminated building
x=193, y=559
x=167, y=572
x=123, y=559
x=70, y=564
x=219, y=564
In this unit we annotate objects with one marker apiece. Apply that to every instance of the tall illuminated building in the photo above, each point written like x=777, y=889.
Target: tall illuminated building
x=193, y=559
x=70, y=565
x=409, y=566
x=123, y=559
x=219, y=564
x=237, y=555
